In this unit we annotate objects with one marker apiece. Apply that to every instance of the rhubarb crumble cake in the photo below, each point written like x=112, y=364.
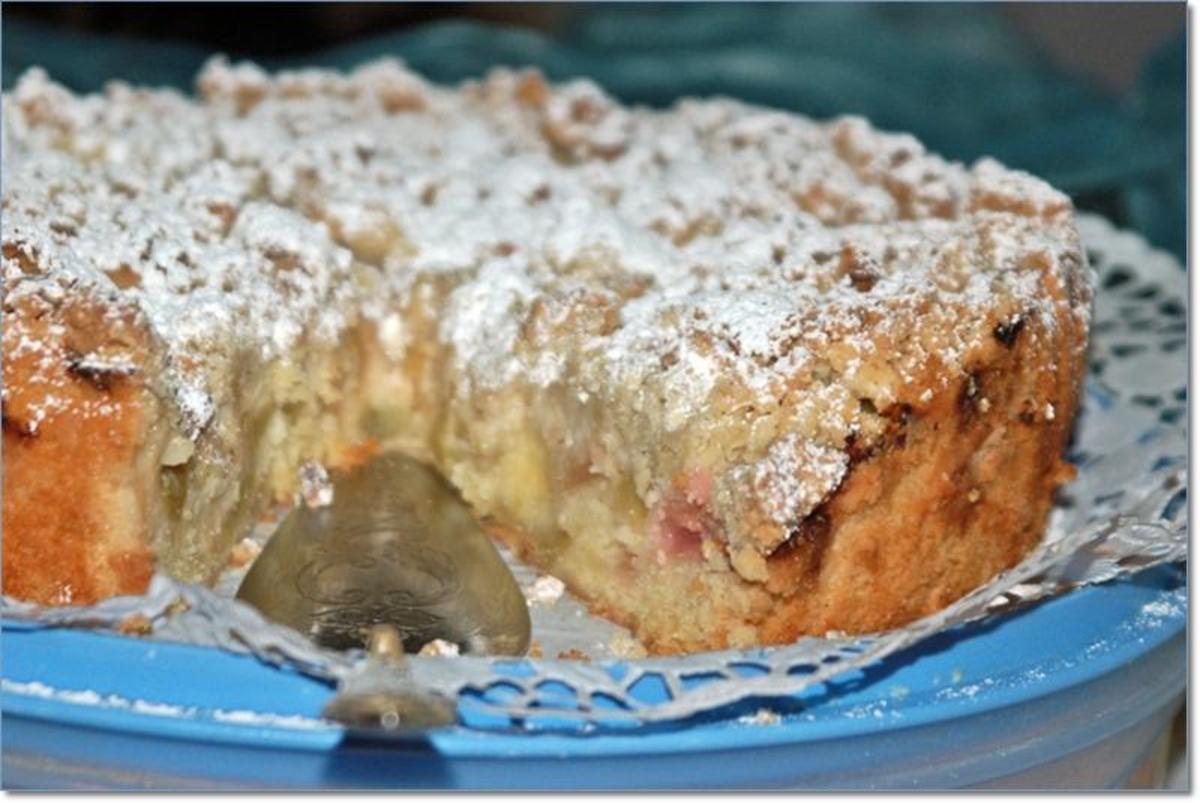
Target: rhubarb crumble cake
x=734, y=375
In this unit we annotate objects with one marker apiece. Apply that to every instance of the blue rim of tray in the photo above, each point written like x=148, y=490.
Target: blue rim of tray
x=967, y=671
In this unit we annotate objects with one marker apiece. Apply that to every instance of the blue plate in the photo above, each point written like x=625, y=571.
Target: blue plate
x=1071, y=692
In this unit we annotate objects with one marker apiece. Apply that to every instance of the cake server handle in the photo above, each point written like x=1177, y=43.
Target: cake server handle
x=379, y=699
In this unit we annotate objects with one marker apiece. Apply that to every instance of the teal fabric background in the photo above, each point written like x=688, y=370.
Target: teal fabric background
x=957, y=76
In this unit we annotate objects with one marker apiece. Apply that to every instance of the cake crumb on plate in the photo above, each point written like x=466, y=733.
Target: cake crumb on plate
x=135, y=624
x=624, y=645
x=316, y=489
x=244, y=553
x=762, y=717
x=545, y=590
x=440, y=648
x=573, y=655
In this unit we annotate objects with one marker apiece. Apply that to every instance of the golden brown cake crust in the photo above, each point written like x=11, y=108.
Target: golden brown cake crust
x=75, y=429
x=961, y=492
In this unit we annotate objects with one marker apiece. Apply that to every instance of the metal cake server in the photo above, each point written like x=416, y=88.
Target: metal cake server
x=395, y=561
x=396, y=546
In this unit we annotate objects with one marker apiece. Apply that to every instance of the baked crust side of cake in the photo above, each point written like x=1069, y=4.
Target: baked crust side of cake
x=709, y=365
x=80, y=443
x=963, y=492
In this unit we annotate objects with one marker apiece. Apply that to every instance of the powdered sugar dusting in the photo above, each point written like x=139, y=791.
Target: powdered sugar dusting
x=795, y=476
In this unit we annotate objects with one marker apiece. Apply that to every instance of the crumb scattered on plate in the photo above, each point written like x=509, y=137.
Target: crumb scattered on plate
x=761, y=717
x=624, y=645
x=441, y=648
x=135, y=624
x=316, y=489
x=244, y=553
x=574, y=655
x=546, y=590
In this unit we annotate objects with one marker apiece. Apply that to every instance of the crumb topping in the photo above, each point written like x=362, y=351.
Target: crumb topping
x=793, y=475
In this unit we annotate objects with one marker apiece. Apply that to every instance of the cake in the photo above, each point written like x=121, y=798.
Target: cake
x=732, y=374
